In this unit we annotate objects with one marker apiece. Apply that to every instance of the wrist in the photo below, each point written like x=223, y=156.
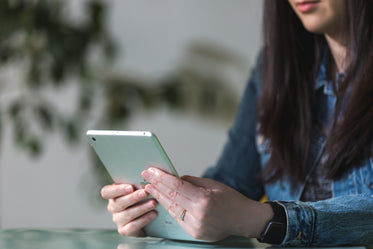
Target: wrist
x=266, y=216
x=256, y=219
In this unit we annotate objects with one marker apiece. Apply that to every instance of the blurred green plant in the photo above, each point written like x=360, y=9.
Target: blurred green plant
x=52, y=51
x=49, y=49
x=196, y=86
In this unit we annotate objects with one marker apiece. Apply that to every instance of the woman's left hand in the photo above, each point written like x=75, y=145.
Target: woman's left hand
x=206, y=209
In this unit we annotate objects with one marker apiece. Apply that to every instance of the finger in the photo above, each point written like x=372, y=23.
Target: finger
x=134, y=227
x=183, y=215
x=173, y=195
x=174, y=208
x=198, y=181
x=132, y=213
x=116, y=190
x=123, y=202
x=156, y=176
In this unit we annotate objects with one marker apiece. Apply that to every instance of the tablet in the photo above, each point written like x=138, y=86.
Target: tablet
x=125, y=154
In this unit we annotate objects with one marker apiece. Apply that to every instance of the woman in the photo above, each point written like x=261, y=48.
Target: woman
x=303, y=136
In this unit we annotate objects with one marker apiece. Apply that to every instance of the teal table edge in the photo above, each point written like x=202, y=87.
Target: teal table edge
x=22, y=238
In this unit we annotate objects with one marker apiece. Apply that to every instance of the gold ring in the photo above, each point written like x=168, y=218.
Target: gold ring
x=182, y=215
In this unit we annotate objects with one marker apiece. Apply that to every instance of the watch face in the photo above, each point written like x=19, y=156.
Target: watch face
x=274, y=233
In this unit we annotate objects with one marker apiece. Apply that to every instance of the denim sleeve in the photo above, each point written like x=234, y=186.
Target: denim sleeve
x=239, y=163
x=344, y=220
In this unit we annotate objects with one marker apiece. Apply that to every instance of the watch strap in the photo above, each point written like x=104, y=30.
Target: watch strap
x=275, y=230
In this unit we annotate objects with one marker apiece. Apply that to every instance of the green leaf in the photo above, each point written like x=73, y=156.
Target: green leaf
x=16, y=108
x=85, y=100
x=96, y=10
x=45, y=116
x=71, y=130
x=33, y=145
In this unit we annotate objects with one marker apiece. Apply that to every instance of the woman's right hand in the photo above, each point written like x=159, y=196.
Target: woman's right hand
x=129, y=215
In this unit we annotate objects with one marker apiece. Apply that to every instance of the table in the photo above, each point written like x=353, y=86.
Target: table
x=106, y=239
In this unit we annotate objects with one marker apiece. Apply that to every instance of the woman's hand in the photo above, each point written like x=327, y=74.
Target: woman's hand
x=206, y=209
x=129, y=215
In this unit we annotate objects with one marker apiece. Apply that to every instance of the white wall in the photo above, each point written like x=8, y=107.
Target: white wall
x=58, y=189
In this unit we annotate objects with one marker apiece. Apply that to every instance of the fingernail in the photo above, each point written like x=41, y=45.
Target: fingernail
x=152, y=204
x=153, y=170
x=128, y=188
x=141, y=194
x=149, y=189
x=146, y=174
x=151, y=215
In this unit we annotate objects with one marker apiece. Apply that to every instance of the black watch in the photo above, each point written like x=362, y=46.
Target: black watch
x=275, y=230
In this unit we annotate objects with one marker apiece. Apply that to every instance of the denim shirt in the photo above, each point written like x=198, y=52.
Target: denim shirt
x=344, y=219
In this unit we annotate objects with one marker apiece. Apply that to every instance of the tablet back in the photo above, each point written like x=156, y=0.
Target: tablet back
x=125, y=154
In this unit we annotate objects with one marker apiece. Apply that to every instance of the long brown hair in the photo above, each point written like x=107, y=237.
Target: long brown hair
x=291, y=60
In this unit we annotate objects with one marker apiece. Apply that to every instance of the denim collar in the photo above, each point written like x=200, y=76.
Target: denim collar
x=323, y=81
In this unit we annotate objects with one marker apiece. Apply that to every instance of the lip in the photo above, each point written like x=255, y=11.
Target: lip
x=307, y=6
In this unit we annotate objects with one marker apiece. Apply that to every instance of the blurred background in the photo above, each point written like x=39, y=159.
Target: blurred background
x=174, y=67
